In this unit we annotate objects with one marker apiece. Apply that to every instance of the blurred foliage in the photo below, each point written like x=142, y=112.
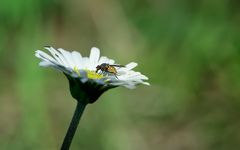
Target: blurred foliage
x=188, y=49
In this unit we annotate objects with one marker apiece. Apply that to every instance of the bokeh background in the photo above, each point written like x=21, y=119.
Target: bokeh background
x=188, y=49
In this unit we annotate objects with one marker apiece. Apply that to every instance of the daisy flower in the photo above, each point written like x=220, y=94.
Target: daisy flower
x=83, y=70
x=88, y=78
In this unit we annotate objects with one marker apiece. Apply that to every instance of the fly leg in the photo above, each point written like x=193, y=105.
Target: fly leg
x=116, y=75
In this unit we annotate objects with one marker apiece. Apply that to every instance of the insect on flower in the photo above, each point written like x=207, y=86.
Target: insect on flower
x=93, y=70
x=104, y=67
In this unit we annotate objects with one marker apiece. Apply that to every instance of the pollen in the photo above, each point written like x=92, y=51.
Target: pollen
x=94, y=75
x=90, y=74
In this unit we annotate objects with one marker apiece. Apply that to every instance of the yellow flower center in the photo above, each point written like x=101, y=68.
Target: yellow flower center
x=93, y=75
x=90, y=74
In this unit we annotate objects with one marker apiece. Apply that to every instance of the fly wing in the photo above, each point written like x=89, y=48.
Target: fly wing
x=117, y=65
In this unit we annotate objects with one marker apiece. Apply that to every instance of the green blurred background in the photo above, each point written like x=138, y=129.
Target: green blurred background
x=188, y=49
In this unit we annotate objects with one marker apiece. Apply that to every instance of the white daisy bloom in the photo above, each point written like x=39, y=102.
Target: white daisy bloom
x=74, y=65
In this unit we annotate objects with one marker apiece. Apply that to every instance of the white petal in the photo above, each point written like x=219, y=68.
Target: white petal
x=131, y=65
x=68, y=57
x=103, y=59
x=77, y=58
x=57, y=56
x=94, y=55
x=61, y=57
x=56, y=66
x=129, y=85
x=127, y=67
x=146, y=83
x=133, y=76
x=85, y=62
x=111, y=61
x=45, y=64
x=93, y=58
x=44, y=56
x=139, y=77
x=66, y=70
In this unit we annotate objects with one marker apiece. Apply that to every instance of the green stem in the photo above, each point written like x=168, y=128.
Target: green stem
x=73, y=126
